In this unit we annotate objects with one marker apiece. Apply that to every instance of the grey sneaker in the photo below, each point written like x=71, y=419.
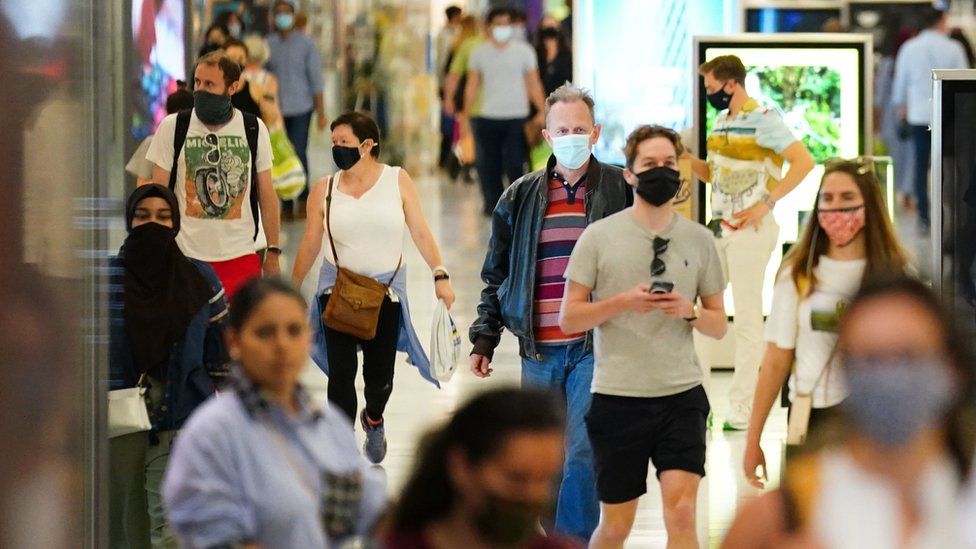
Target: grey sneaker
x=375, y=445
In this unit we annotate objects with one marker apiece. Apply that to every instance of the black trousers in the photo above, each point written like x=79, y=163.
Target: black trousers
x=379, y=357
x=499, y=151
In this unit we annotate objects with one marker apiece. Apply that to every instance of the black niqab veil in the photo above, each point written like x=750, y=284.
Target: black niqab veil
x=163, y=290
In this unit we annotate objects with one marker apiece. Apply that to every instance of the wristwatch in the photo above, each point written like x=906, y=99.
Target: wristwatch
x=273, y=250
x=695, y=313
x=442, y=275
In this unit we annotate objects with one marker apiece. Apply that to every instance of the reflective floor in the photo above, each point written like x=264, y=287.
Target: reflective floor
x=453, y=211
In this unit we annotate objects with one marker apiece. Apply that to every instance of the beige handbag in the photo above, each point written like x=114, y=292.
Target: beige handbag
x=802, y=406
x=127, y=412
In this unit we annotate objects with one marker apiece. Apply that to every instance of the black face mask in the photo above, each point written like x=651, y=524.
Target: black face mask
x=502, y=521
x=345, y=157
x=212, y=109
x=549, y=32
x=720, y=99
x=658, y=185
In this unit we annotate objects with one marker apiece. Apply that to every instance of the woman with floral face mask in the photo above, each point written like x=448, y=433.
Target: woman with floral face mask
x=848, y=236
x=893, y=478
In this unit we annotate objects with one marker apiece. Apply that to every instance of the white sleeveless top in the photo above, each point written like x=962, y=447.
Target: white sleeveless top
x=369, y=231
x=856, y=510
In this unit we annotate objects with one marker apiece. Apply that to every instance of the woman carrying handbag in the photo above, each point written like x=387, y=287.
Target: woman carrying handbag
x=167, y=318
x=848, y=237
x=363, y=212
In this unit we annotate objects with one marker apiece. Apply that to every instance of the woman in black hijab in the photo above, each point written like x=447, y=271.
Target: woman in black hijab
x=167, y=315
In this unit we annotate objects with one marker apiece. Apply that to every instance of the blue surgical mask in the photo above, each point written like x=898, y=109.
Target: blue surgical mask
x=502, y=33
x=235, y=30
x=284, y=21
x=892, y=399
x=571, y=151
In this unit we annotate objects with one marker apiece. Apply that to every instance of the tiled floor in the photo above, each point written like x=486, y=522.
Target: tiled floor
x=453, y=211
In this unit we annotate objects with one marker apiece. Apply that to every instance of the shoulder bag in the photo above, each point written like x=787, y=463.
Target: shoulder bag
x=354, y=307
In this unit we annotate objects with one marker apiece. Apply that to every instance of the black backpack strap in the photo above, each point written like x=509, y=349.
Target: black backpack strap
x=251, y=131
x=179, y=137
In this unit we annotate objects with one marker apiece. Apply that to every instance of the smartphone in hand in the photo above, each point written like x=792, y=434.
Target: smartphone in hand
x=661, y=287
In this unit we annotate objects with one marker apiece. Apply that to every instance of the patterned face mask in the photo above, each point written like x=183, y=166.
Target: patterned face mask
x=842, y=225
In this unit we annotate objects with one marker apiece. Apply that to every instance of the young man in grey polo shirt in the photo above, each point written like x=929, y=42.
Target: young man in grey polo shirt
x=503, y=77
x=636, y=278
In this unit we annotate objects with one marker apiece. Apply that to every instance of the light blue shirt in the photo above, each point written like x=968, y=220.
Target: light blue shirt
x=243, y=470
x=928, y=51
x=296, y=63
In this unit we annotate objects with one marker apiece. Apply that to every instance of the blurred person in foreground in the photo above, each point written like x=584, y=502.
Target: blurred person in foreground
x=848, y=237
x=893, y=478
x=483, y=480
x=644, y=279
x=528, y=258
x=168, y=315
x=262, y=466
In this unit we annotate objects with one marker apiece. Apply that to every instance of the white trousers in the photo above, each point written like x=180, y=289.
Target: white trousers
x=745, y=254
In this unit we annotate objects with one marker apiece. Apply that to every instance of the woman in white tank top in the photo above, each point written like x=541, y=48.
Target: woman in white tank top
x=373, y=207
x=893, y=479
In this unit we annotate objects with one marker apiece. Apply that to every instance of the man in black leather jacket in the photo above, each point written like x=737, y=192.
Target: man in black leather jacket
x=534, y=227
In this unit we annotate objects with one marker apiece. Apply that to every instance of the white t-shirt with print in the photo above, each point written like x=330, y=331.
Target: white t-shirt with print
x=809, y=326
x=217, y=223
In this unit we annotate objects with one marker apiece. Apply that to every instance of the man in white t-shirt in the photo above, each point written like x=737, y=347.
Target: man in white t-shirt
x=213, y=178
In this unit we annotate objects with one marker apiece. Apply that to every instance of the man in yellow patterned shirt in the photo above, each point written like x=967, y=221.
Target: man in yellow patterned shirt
x=747, y=149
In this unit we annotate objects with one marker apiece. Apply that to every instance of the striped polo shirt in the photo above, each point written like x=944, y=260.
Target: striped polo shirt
x=562, y=226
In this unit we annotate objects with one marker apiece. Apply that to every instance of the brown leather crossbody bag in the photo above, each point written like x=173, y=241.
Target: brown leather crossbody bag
x=354, y=307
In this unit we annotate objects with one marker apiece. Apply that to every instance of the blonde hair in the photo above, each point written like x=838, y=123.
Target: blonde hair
x=257, y=49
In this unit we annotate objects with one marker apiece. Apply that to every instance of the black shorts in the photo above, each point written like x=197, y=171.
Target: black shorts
x=626, y=432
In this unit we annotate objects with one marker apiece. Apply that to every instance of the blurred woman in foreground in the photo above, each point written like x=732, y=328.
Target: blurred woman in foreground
x=893, y=479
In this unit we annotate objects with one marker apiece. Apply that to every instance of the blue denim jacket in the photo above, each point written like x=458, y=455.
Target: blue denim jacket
x=197, y=364
x=408, y=342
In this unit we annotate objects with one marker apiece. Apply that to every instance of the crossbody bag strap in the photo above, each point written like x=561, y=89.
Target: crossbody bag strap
x=328, y=222
x=395, y=272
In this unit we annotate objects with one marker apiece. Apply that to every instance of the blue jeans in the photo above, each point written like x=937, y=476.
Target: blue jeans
x=923, y=156
x=297, y=129
x=569, y=369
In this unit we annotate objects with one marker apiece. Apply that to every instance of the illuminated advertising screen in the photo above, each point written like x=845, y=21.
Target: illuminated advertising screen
x=820, y=85
x=158, y=60
x=634, y=57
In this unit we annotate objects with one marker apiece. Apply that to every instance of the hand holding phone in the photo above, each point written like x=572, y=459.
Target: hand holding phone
x=662, y=287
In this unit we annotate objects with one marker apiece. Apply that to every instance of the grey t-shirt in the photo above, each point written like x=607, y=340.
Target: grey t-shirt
x=645, y=354
x=503, y=70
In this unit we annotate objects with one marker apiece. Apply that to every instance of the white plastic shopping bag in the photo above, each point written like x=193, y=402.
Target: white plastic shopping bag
x=445, y=344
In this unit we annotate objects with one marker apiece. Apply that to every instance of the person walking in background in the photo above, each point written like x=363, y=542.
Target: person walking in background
x=893, y=132
x=636, y=278
x=260, y=85
x=503, y=78
x=364, y=212
x=443, y=46
x=167, y=318
x=139, y=166
x=848, y=237
x=529, y=258
x=912, y=95
x=296, y=63
x=554, y=54
x=218, y=162
x=262, y=465
x=893, y=478
x=484, y=478
x=747, y=148
x=214, y=39
x=468, y=38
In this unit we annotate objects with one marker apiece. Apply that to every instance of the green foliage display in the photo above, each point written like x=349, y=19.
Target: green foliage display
x=808, y=98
